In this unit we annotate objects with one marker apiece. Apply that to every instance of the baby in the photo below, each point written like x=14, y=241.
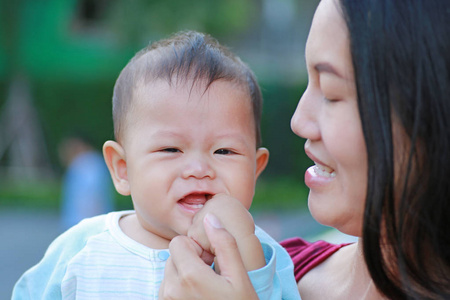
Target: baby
x=186, y=117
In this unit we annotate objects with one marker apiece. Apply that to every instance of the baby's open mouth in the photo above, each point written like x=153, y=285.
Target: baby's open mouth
x=195, y=201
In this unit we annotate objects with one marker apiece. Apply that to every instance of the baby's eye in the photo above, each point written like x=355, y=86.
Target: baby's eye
x=170, y=150
x=224, y=152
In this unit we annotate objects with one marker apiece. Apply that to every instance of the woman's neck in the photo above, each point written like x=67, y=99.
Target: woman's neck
x=362, y=281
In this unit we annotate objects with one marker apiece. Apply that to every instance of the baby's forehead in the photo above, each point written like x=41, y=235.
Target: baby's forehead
x=189, y=87
x=159, y=95
x=157, y=98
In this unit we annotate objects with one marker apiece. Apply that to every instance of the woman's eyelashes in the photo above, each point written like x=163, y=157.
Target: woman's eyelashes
x=330, y=99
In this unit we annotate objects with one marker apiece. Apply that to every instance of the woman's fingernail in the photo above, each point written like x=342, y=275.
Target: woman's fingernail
x=213, y=220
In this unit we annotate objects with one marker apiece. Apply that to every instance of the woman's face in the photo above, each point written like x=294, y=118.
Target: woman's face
x=327, y=116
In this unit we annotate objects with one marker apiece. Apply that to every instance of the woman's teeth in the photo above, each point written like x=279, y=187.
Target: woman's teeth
x=324, y=171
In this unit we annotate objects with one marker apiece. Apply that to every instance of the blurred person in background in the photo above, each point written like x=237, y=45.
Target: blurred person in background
x=87, y=186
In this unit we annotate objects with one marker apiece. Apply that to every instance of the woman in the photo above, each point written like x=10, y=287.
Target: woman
x=376, y=116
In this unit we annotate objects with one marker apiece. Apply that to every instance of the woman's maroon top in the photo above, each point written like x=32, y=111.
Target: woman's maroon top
x=307, y=256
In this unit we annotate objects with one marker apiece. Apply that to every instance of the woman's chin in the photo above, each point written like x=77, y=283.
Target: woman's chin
x=330, y=217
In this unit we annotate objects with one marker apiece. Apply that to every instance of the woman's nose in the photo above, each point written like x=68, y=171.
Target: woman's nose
x=198, y=166
x=304, y=121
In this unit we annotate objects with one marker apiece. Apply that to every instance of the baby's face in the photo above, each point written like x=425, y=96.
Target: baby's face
x=182, y=146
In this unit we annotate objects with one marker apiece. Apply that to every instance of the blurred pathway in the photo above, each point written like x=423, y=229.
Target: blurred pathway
x=25, y=235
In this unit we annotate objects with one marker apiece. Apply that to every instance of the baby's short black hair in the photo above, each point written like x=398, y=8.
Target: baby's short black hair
x=185, y=56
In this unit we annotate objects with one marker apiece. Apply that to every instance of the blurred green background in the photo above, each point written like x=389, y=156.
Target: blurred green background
x=59, y=60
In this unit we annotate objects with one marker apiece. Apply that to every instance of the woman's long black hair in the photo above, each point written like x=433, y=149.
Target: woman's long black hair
x=401, y=56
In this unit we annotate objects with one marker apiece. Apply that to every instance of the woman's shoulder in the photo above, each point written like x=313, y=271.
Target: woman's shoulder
x=307, y=255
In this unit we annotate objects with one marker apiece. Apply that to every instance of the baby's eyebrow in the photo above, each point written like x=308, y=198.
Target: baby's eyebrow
x=236, y=137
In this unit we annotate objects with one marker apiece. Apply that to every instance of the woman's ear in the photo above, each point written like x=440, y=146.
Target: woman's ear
x=115, y=160
x=262, y=158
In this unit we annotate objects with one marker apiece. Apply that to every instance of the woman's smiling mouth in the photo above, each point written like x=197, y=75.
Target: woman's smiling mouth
x=325, y=171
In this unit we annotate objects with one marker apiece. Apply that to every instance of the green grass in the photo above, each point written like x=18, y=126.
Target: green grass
x=30, y=194
x=271, y=194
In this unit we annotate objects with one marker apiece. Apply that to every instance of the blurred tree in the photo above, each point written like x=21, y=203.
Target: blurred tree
x=138, y=21
x=67, y=46
x=38, y=44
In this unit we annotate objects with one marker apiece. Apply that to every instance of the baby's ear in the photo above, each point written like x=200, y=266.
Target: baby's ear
x=115, y=160
x=262, y=158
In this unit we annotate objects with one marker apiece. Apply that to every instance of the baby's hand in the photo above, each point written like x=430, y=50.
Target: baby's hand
x=236, y=219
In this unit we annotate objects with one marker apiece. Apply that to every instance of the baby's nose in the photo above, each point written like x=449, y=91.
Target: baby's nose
x=198, y=167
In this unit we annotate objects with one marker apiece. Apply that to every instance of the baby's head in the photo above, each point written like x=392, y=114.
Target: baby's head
x=186, y=117
x=185, y=58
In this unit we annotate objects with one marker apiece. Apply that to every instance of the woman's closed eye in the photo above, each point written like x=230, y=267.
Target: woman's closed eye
x=330, y=99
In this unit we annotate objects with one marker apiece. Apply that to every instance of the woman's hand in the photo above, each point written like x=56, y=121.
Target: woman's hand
x=238, y=222
x=187, y=276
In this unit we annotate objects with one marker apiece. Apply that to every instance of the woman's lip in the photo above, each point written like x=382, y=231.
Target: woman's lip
x=313, y=158
x=321, y=165
x=314, y=179
x=319, y=175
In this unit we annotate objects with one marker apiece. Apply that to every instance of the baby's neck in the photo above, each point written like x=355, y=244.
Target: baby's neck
x=130, y=225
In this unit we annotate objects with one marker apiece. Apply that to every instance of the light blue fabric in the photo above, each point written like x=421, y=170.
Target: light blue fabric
x=87, y=189
x=43, y=281
x=275, y=280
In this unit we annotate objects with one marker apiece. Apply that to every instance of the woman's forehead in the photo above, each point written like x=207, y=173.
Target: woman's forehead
x=328, y=47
